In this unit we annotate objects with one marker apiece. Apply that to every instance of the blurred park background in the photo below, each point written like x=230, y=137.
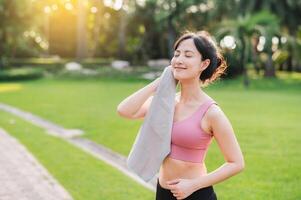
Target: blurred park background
x=73, y=61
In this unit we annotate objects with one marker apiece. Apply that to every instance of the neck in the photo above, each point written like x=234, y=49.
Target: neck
x=191, y=92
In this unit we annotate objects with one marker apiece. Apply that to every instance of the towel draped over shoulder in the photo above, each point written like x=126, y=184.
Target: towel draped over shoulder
x=153, y=141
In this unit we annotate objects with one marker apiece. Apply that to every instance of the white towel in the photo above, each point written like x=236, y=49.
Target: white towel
x=152, y=143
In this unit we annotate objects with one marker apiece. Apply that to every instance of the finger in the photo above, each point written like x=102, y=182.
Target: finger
x=176, y=195
x=173, y=187
x=172, y=182
x=174, y=191
x=170, y=187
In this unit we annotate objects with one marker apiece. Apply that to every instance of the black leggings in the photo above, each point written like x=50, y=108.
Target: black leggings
x=206, y=193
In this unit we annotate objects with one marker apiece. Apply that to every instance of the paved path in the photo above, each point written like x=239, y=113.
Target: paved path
x=21, y=175
x=112, y=158
x=52, y=128
x=99, y=151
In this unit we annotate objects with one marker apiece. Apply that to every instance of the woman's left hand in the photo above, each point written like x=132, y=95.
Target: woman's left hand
x=181, y=188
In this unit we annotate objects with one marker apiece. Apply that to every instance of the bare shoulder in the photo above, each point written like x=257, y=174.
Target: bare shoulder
x=214, y=111
x=215, y=114
x=218, y=121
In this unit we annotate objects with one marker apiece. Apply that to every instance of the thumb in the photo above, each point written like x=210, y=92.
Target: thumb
x=175, y=181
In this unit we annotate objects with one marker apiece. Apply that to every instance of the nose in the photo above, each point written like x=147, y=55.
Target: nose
x=178, y=60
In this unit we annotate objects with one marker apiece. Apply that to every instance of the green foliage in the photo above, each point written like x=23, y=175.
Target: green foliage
x=16, y=17
x=244, y=29
x=143, y=30
x=280, y=56
x=24, y=73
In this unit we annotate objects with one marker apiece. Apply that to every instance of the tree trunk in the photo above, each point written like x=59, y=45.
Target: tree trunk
x=81, y=32
x=1, y=64
x=246, y=78
x=46, y=31
x=289, y=62
x=255, y=41
x=96, y=31
x=121, y=34
x=269, y=68
x=246, y=81
x=171, y=37
x=2, y=48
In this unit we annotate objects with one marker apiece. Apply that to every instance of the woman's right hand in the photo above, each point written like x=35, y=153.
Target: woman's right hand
x=156, y=82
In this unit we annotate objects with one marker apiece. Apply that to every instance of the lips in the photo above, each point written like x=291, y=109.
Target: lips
x=179, y=68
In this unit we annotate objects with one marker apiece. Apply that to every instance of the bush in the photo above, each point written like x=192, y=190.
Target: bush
x=24, y=73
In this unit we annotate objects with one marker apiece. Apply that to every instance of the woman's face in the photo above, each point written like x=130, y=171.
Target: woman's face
x=187, y=61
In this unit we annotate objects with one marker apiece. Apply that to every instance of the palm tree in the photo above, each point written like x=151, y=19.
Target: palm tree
x=268, y=26
x=244, y=29
x=289, y=13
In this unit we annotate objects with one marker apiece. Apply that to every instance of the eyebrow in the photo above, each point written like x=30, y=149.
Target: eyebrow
x=184, y=51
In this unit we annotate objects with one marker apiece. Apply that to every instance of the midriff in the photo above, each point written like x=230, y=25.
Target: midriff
x=173, y=169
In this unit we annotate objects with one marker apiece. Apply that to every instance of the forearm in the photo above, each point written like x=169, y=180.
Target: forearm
x=222, y=173
x=131, y=104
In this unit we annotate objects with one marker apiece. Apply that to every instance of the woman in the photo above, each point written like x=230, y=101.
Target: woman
x=197, y=120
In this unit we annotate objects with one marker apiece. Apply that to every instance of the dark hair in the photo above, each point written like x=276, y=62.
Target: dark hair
x=209, y=50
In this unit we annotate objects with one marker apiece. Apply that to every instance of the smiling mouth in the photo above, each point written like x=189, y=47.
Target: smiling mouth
x=179, y=68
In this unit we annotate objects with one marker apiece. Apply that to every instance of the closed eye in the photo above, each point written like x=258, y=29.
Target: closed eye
x=188, y=56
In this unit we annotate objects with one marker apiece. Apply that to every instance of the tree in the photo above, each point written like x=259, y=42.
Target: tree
x=163, y=21
x=289, y=13
x=243, y=30
x=81, y=51
x=16, y=17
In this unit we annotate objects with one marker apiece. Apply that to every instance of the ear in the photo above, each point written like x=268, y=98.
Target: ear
x=205, y=64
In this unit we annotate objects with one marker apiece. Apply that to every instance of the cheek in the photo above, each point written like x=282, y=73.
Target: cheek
x=172, y=61
x=196, y=63
x=195, y=60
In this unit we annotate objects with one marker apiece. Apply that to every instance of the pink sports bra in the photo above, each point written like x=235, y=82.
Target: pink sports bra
x=189, y=142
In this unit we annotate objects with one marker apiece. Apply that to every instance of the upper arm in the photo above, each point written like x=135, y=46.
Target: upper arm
x=224, y=135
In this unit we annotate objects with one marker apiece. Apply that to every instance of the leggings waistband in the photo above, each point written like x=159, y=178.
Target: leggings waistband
x=206, y=193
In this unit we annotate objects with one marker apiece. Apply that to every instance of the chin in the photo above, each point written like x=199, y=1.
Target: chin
x=180, y=79
x=183, y=78
x=176, y=76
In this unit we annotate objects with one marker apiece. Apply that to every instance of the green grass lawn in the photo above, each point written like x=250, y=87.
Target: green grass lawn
x=82, y=175
x=265, y=117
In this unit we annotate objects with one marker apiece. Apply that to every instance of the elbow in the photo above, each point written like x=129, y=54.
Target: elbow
x=240, y=166
x=121, y=112
x=237, y=166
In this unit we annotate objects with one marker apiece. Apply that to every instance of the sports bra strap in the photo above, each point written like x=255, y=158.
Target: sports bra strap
x=207, y=106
